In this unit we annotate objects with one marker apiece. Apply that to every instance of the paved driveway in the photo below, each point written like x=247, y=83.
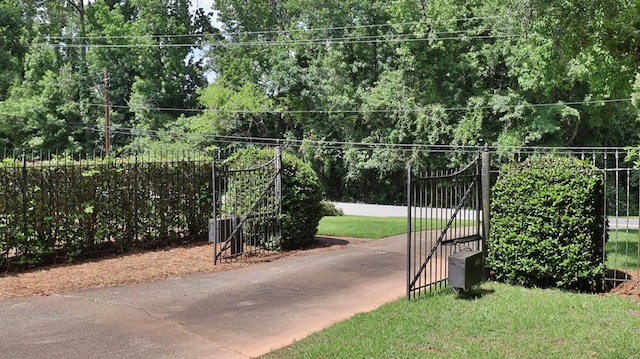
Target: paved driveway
x=236, y=314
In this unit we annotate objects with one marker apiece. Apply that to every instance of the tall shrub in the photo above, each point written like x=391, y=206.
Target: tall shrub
x=301, y=195
x=62, y=210
x=548, y=224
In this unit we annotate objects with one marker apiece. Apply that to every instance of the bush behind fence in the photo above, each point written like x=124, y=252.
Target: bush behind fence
x=59, y=210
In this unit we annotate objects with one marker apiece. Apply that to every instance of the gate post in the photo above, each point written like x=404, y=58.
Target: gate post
x=278, y=190
x=486, y=203
x=278, y=182
x=409, y=229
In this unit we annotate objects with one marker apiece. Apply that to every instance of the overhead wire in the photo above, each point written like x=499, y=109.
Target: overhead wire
x=425, y=108
x=342, y=145
x=369, y=26
x=346, y=38
x=280, y=32
x=326, y=144
x=377, y=39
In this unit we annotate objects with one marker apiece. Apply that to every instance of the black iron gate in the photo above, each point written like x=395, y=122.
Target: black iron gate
x=444, y=216
x=246, y=209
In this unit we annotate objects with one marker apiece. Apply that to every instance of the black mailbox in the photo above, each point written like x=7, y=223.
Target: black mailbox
x=465, y=269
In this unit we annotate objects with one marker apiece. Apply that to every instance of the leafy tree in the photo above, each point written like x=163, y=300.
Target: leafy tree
x=144, y=46
x=13, y=28
x=148, y=59
x=459, y=72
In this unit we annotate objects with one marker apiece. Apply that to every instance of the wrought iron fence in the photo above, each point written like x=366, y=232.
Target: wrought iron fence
x=56, y=207
x=438, y=193
x=622, y=203
x=62, y=207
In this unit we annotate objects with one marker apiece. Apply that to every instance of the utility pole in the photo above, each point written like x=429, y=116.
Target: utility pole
x=106, y=112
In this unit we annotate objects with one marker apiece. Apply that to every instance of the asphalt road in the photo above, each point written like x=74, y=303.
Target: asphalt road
x=375, y=210
x=378, y=210
x=372, y=210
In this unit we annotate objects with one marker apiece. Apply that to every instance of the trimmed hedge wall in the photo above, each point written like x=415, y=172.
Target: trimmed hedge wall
x=548, y=224
x=51, y=212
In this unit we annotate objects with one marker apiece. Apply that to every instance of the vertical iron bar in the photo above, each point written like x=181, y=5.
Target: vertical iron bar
x=476, y=207
x=25, y=225
x=278, y=190
x=136, y=192
x=617, y=211
x=214, y=203
x=442, y=209
x=409, y=272
x=417, y=238
x=486, y=203
x=627, y=214
x=606, y=213
x=436, y=215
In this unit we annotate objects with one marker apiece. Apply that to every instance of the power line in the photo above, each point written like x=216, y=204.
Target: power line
x=342, y=145
x=380, y=39
x=423, y=109
x=369, y=26
x=278, y=32
x=426, y=108
x=326, y=144
x=377, y=39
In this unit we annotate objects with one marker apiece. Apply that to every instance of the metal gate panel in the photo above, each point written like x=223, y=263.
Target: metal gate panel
x=246, y=210
x=444, y=216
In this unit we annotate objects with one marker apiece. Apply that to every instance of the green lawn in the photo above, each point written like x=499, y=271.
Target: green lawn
x=372, y=227
x=362, y=227
x=496, y=321
x=622, y=250
x=493, y=321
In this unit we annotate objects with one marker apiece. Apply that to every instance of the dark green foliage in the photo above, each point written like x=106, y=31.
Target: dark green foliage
x=548, y=225
x=64, y=210
x=301, y=195
x=330, y=210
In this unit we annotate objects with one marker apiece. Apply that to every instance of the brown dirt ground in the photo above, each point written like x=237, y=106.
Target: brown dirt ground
x=140, y=266
x=630, y=288
x=145, y=266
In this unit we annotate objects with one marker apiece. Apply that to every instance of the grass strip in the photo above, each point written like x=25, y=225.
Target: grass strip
x=622, y=249
x=362, y=227
x=375, y=227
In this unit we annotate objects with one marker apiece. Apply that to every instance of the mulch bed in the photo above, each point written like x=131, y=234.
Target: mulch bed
x=629, y=288
x=139, y=266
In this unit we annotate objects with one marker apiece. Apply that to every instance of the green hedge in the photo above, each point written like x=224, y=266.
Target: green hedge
x=51, y=212
x=548, y=224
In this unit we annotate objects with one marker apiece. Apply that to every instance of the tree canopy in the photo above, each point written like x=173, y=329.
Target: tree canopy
x=399, y=72
x=52, y=89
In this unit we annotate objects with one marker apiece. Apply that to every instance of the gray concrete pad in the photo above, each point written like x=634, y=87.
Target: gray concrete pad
x=241, y=313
